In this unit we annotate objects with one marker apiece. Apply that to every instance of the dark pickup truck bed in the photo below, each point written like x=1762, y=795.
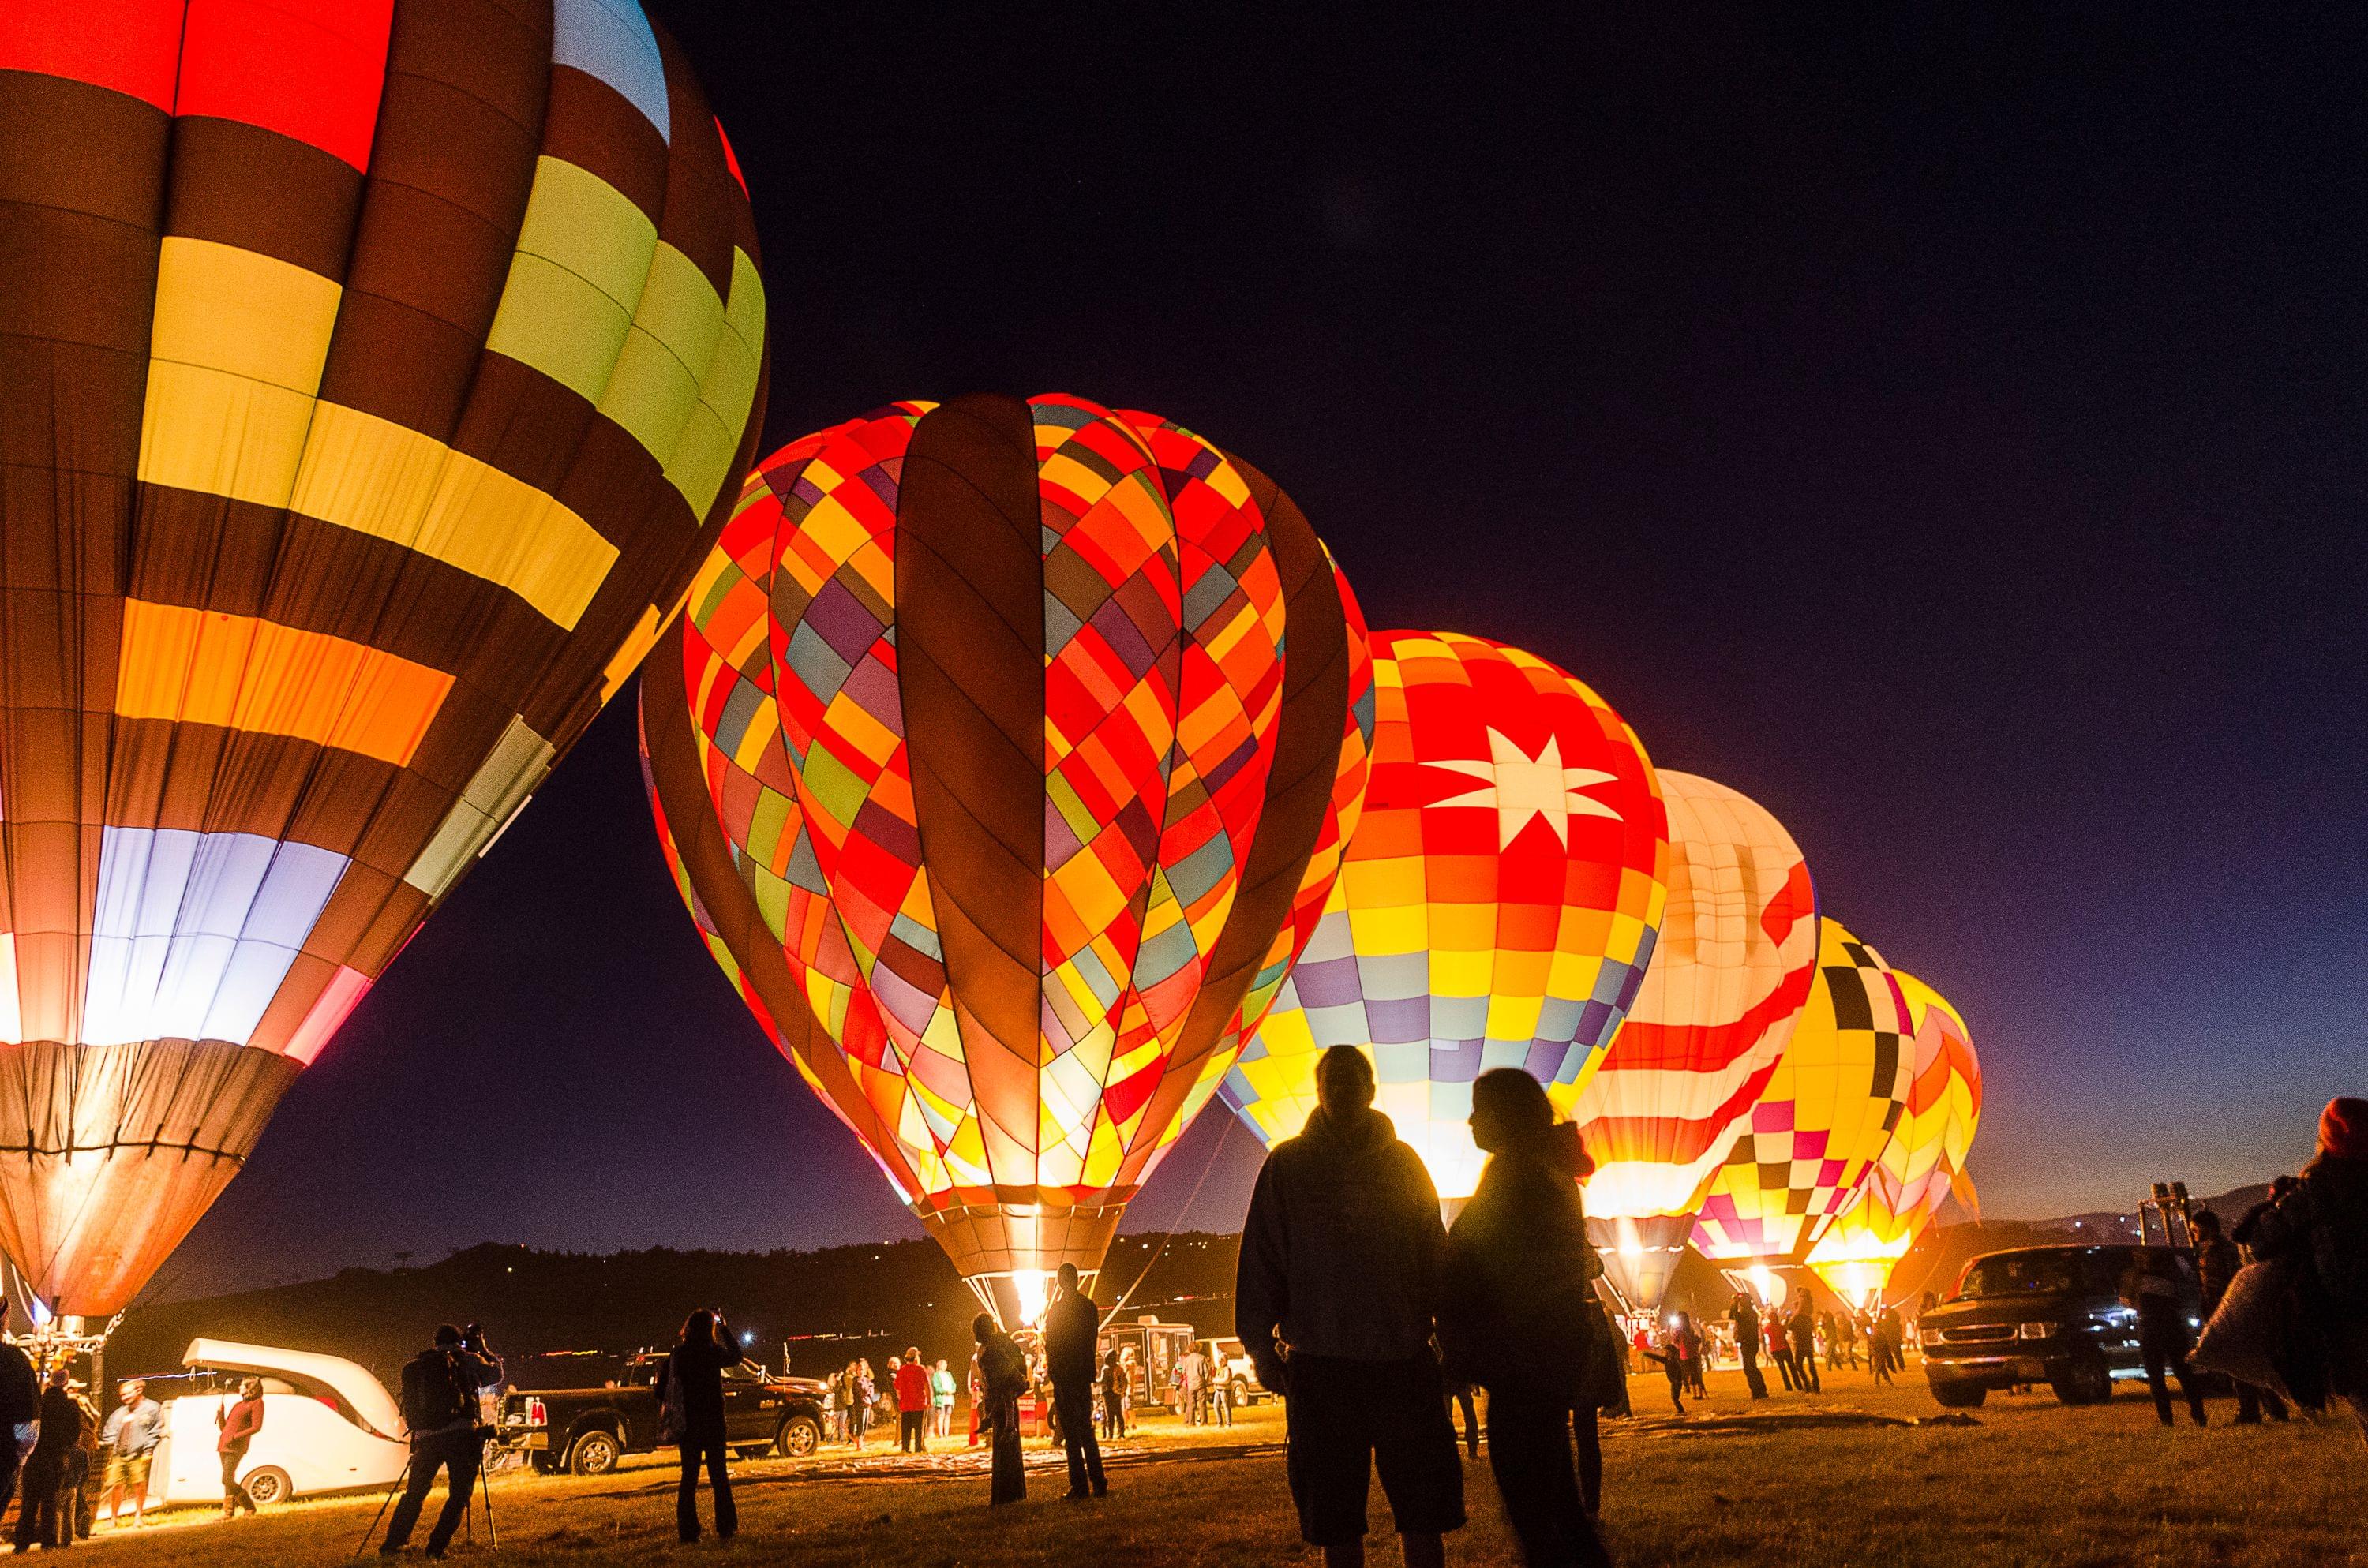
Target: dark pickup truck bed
x=586, y=1431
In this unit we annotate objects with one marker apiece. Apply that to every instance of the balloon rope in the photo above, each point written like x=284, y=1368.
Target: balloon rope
x=1174, y=1225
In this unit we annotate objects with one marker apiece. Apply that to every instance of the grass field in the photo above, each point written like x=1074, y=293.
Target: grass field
x=1836, y=1479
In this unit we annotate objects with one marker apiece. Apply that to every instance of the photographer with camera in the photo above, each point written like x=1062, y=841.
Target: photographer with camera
x=442, y=1413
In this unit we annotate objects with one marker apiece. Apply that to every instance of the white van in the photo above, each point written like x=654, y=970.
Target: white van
x=328, y=1426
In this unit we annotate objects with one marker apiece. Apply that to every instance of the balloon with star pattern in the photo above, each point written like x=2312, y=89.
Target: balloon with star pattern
x=1499, y=906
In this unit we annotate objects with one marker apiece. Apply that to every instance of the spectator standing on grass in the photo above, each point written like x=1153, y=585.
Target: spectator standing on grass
x=235, y=1428
x=1002, y=1378
x=1071, y=1326
x=2217, y=1260
x=20, y=1407
x=1220, y=1395
x=1780, y=1347
x=1516, y=1313
x=1803, y=1332
x=913, y=1403
x=2149, y=1287
x=1890, y=1332
x=1745, y=1316
x=1845, y=1326
x=867, y=1399
x=1115, y=1387
x=1691, y=1347
x=690, y=1392
x=40, y=1516
x=941, y=1399
x=2320, y=1218
x=1333, y=1298
x=133, y=1429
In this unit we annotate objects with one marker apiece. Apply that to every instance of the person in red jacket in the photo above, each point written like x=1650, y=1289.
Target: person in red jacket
x=239, y=1424
x=913, y=1401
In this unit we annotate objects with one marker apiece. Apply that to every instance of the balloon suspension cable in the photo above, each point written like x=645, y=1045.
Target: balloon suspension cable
x=1167, y=1235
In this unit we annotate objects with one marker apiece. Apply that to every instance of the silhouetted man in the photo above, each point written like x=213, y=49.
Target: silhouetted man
x=1071, y=1326
x=1745, y=1319
x=1333, y=1299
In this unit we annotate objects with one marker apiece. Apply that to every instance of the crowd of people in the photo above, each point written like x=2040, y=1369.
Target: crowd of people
x=1375, y=1322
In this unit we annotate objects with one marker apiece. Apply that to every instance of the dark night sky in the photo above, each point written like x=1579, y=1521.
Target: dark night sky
x=1947, y=431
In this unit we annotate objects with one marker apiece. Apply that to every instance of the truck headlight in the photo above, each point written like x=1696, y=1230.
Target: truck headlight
x=2034, y=1330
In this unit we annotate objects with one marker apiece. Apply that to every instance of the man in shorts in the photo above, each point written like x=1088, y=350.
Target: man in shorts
x=133, y=1429
x=1334, y=1300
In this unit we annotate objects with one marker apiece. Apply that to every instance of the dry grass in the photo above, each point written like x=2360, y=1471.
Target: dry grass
x=2032, y=1486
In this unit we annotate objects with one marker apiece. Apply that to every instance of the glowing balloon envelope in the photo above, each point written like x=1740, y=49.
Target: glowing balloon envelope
x=1737, y=950
x=1838, y=1093
x=1498, y=905
x=1921, y=1163
x=992, y=760
x=373, y=376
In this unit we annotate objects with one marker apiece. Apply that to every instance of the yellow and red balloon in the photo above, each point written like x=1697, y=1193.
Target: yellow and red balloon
x=992, y=757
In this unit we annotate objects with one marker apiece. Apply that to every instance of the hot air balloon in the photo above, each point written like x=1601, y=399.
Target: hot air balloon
x=1737, y=950
x=1837, y=1092
x=992, y=759
x=1921, y=1163
x=1497, y=908
x=376, y=377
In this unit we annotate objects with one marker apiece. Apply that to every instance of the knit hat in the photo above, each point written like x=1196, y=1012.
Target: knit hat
x=2343, y=1128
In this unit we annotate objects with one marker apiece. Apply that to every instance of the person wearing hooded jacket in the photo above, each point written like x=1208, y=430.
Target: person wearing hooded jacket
x=2321, y=1218
x=1333, y=1298
x=1516, y=1313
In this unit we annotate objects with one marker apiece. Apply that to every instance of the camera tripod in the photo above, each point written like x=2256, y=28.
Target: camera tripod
x=468, y=1520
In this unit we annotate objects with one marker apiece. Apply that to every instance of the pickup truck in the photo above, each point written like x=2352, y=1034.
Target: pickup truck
x=587, y=1431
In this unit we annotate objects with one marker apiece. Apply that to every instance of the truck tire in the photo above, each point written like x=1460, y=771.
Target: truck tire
x=1958, y=1396
x=799, y=1436
x=2084, y=1381
x=594, y=1453
x=1241, y=1394
x=268, y=1486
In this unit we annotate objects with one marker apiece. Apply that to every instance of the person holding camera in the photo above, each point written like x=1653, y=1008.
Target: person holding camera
x=441, y=1412
x=690, y=1399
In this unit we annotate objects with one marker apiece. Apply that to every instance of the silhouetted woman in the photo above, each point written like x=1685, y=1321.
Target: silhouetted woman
x=1517, y=1318
x=690, y=1389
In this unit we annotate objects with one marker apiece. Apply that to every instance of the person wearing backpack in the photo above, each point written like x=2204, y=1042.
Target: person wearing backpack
x=440, y=1411
x=690, y=1400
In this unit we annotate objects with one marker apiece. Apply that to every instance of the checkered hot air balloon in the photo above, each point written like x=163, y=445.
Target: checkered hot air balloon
x=376, y=376
x=1737, y=950
x=1002, y=757
x=1923, y=1161
x=1497, y=908
x=1839, y=1092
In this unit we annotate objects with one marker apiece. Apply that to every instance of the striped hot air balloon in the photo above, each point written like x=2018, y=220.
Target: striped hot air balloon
x=1837, y=1094
x=1497, y=908
x=1003, y=750
x=376, y=375
x=1737, y=950
x=1921, y=1163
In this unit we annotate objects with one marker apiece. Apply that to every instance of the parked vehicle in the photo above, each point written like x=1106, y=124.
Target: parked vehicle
x=1239, y=1373
x=586, y=1431
x=1150, y=1349
x=328, y=1426
x=2048, y=1315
